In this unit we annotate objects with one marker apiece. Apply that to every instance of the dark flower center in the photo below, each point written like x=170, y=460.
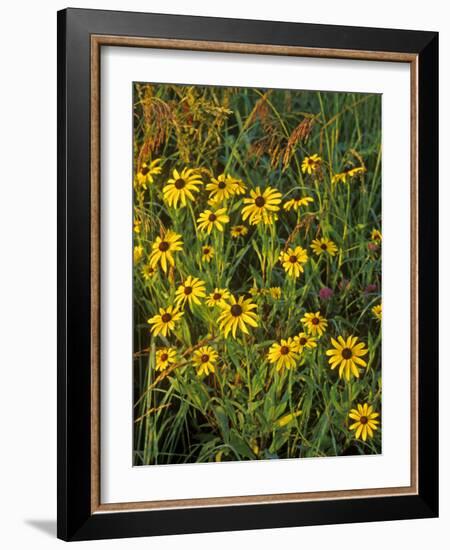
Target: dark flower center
x=323, y=246
x=284, y=350
x=145, y=170
x=206, y=251
x=293, y=259
x=347, y=353
x=164, y=357
x=188, y=290
x=236, y=310
x=166, y=317
x=221, y=185
x=204, y=358
x=315, y=321
x=180, y=183
x=164, y=246
x=212, y=217
x=303, y=341
x=217, y=296
x=363, y=419
x=260, y=201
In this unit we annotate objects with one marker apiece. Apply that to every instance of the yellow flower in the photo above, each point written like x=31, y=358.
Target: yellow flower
x=209, y=220
x=165, y=321
x=261, y=206
x=146, y=172
x=284, y=354
x=207, y=253
x=191, y=290
x=365, y=421
x=218, y=298
x=239, y=187
x=376, y=310
x=315, y=324
x=350, y=173
x=287, y=418
x=205, y=359
x=305, y=341
x=181, y=186
x=347, y=356
x=137, y=225
x=274, y=292
x=293, y=260
x=255, y=291
x=148, y=272
x=165, y=357
x=238, y=231
x=324, y=246
x=357, y=171
x=138, y=251
x=237, y=314
x=297, y=202
x=163, y=249
x=311, y=164
x=341, y=177
x=376, y=235
x=221, y=188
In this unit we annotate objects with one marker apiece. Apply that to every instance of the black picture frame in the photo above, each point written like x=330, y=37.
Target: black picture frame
x=76, y=521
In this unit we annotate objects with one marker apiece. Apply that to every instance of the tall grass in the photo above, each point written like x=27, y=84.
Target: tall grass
x=247, y=409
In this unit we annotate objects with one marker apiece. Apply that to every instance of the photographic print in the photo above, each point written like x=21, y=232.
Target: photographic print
x=257, y=243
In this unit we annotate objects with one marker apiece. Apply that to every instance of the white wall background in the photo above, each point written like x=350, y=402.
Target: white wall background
x=28, y=271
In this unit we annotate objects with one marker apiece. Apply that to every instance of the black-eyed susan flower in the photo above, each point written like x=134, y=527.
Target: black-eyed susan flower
x=164, y=322
x=347, y=356
x=238, y=231
x=311, y=164
x=209, y=220
x=148, y=272
x=296, y=203
x=293, y=260
x=284, y=354
x=261, y=205
x=305, y=341
x=207, y=253
x=138, y=252
x=376, y=235
x=325, y=293
x=180, y=187
x=146, y=173
x=239, y=187
x=357, y=171
x=314, y=323
x=324, y=246
x=219, y=297
x=163, y=249
x=237, y=314
x=365, y=419
x=220, y=188
x=190, y=291
x=165, y=357
x=255, y=291
x=339, y=177
x=377, y=311
x=205, y=359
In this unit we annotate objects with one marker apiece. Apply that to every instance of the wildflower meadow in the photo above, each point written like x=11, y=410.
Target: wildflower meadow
x=257, y=274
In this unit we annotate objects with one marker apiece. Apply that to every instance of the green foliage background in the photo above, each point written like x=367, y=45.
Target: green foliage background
x=261, y=137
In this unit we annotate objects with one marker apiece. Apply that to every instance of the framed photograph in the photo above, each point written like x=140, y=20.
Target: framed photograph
x=247, y=263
